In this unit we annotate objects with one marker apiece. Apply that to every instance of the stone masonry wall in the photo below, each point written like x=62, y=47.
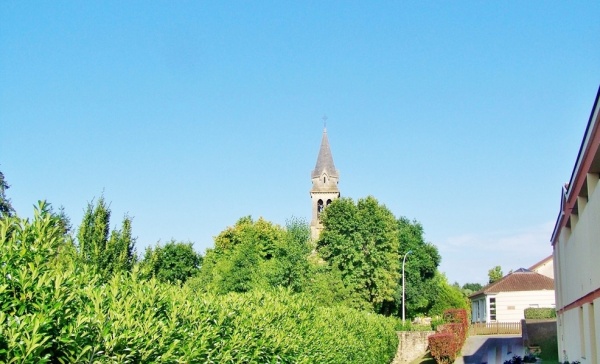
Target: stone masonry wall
x=536, y=331
x=412, y=345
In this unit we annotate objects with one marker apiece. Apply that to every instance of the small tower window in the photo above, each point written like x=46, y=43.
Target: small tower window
x=320, y=206
x=328, y=203
x=324, y=179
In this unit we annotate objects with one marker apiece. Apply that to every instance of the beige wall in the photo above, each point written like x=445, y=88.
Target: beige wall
x=577, y=270
x=510, y=306
x=546, y=269
x=578, y=337
x=324, y=189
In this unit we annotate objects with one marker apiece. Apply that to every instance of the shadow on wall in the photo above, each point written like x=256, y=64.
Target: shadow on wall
x=495, y=349
x=541, y=335
x=538, y=331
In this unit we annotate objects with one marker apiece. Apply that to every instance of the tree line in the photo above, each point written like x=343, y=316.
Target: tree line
x=60, y=305
x=356, y=262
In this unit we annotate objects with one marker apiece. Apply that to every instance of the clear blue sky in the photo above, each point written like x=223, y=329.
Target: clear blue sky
x=466, y=116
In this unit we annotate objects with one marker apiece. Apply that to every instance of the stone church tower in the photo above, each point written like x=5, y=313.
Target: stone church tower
x=324, y=190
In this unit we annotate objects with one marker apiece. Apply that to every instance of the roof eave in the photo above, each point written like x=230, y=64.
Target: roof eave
x=575, y=183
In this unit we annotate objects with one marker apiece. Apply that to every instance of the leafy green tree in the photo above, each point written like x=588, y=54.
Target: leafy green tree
x=474, y=287
x=105, y=253
x=291, y=265
x=495, y=274
x=65, y=221
x=469, y=288
x=361, y=241
x=257, y=254
x=420, y=270
x=6, y=209
x=446, y=296
x=326, y=288
x=175, y=262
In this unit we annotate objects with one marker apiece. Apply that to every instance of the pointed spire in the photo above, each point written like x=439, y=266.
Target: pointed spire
x=325, y=159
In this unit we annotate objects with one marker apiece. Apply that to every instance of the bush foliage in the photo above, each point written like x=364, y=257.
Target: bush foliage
x=54, y=309
x=443, y=347
x=535, y=313
x=446, y=344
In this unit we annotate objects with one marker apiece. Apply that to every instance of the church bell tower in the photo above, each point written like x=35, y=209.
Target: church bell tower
x=324, y=190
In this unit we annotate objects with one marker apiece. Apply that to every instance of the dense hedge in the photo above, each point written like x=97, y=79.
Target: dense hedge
x=443, y=347
x=52, y=309
x=535, y=313
x=447, y=343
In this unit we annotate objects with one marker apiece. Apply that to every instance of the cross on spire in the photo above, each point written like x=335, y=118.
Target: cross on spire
x=324, y=121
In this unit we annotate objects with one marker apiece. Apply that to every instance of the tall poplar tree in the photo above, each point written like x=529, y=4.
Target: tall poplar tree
x=107, y=252
x=421, y=285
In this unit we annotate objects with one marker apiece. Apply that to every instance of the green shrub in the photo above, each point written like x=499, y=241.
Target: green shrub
x=409, y=326
x=54, y=310
x=446, y=344
x=443, y=347
x=534, y=313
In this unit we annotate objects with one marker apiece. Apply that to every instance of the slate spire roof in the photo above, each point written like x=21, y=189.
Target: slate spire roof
x=325, y=159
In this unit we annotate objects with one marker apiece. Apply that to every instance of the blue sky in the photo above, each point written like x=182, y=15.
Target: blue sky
x=466, y=116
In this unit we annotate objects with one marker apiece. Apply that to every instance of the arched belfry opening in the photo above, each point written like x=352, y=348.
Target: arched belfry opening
x=324, y=189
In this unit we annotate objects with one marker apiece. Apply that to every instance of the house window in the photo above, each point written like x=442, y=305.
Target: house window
x=492, y=308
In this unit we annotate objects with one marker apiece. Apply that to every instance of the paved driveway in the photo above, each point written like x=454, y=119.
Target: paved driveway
x=490, y=349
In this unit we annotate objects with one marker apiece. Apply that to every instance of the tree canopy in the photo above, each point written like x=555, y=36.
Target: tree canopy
x=495, y=274
x=175, y=262
x=366, y=244
x=105, y=251
x=361, y=240
x=257, y=254
x=6, y=209
x=421, y=289
x=474, y=287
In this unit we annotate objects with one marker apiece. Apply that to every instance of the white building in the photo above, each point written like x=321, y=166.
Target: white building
x=544, y=267
x=507, y=299
x=576, y=244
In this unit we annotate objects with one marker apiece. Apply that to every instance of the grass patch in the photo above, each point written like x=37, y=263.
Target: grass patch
x=549, y=348
x=425, y=359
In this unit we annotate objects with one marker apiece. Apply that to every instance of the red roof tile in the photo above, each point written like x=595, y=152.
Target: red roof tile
x=518, y=281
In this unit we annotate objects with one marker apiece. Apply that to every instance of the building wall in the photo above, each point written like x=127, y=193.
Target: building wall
x=510, y=306
x=546, y=268
x=315, y=223
x=411, y=345
x=578, y=337
x=577, y=266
